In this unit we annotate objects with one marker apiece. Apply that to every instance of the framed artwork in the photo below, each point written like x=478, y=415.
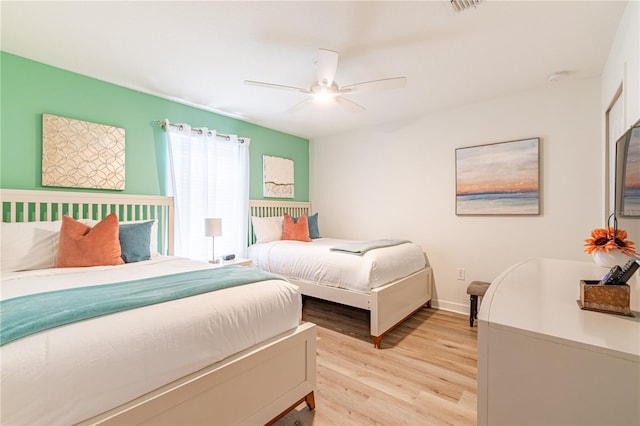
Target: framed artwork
x=499, y=178
x=80, y=154
x=277, y=177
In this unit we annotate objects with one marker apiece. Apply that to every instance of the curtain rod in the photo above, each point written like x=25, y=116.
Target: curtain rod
x=222, y=135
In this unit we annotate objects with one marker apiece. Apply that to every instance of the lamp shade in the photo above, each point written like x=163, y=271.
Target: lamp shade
x=213, y=227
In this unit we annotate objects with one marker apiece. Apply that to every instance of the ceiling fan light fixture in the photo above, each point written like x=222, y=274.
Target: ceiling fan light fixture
x=323, y=98
x=325, y=90
x=323, y=94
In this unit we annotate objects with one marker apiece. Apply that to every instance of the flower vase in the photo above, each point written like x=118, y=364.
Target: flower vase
x=610, y=259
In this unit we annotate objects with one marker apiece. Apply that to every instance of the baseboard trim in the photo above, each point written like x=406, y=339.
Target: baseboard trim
x=450, y=306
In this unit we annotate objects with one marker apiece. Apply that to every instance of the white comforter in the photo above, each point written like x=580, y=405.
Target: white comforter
x=74, y=372
x=314, y=263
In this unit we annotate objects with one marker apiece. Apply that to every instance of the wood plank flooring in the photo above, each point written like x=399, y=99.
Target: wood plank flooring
x=424, y=374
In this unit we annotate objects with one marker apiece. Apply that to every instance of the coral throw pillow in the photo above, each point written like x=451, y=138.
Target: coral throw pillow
x=295, y=230
x=81, y=245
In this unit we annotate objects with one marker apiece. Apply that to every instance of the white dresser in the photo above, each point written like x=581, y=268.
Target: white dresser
x=544, y=361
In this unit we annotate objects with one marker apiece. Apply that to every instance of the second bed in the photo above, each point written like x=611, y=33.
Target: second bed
x=391, y=282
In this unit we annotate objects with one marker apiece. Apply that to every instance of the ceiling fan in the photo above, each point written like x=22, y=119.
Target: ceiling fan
x=325, y=89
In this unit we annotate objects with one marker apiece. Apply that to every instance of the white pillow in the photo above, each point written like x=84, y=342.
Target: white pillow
x=267, y=228
x=28, y=245
x=25, y=246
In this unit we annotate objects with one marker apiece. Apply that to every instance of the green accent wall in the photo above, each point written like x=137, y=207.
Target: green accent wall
x=28, y=89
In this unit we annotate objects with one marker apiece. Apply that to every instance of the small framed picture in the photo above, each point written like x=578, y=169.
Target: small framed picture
x=278, y=177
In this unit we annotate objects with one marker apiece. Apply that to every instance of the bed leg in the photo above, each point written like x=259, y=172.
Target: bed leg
x=310, y=400
x=377, y=341
x=429, y=303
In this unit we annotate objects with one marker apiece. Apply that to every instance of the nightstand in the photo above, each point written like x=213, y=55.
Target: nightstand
x=239, y=261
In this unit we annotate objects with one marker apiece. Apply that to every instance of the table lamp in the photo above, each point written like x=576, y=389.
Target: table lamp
x=213, y=229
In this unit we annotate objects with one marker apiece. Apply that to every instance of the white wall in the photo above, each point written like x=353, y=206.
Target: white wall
x=398, y=181
x=623, y=64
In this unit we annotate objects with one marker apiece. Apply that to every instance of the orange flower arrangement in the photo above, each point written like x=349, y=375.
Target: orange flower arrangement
x=607, y=239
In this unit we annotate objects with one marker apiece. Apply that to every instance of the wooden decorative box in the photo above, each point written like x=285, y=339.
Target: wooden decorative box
x=614, y=299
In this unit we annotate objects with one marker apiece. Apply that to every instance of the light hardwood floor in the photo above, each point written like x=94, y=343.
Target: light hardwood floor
x=424, y=374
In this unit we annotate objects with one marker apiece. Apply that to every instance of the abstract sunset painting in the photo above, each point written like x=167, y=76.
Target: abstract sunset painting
x=499, y=179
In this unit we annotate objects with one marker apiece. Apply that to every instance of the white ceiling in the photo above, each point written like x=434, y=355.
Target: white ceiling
x=201, y=52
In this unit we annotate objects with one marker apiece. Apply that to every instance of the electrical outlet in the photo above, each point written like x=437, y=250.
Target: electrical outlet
x=460, y=274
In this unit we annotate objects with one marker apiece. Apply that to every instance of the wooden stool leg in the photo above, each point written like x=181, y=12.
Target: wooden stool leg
x=473, y=310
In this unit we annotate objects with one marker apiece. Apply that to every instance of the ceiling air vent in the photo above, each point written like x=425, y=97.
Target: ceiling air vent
x=462, y=5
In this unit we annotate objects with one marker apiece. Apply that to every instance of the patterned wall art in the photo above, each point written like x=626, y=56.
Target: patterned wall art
x=499, y=179
x=278, y=177
x=80, y=154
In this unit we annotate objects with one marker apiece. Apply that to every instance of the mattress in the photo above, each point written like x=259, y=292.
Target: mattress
x=74, y=372
x=314, y=263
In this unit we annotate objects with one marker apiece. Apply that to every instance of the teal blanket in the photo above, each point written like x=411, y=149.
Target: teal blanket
x=25, y=315
x=361, y=247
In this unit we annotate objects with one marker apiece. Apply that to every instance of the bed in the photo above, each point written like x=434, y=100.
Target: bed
x=390, y=282
x=238, y=355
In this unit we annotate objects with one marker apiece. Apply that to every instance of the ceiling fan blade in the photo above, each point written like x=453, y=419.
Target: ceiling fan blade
x=327, y=64
x=299, y=105
x=383, y=84
x=349, y=104
x=275, y=86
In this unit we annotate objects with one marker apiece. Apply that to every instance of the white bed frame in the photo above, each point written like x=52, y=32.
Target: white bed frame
x=256, y=386
x=389, y=305
x=45, y=206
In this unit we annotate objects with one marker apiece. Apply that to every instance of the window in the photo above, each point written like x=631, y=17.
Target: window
x=208, y=177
